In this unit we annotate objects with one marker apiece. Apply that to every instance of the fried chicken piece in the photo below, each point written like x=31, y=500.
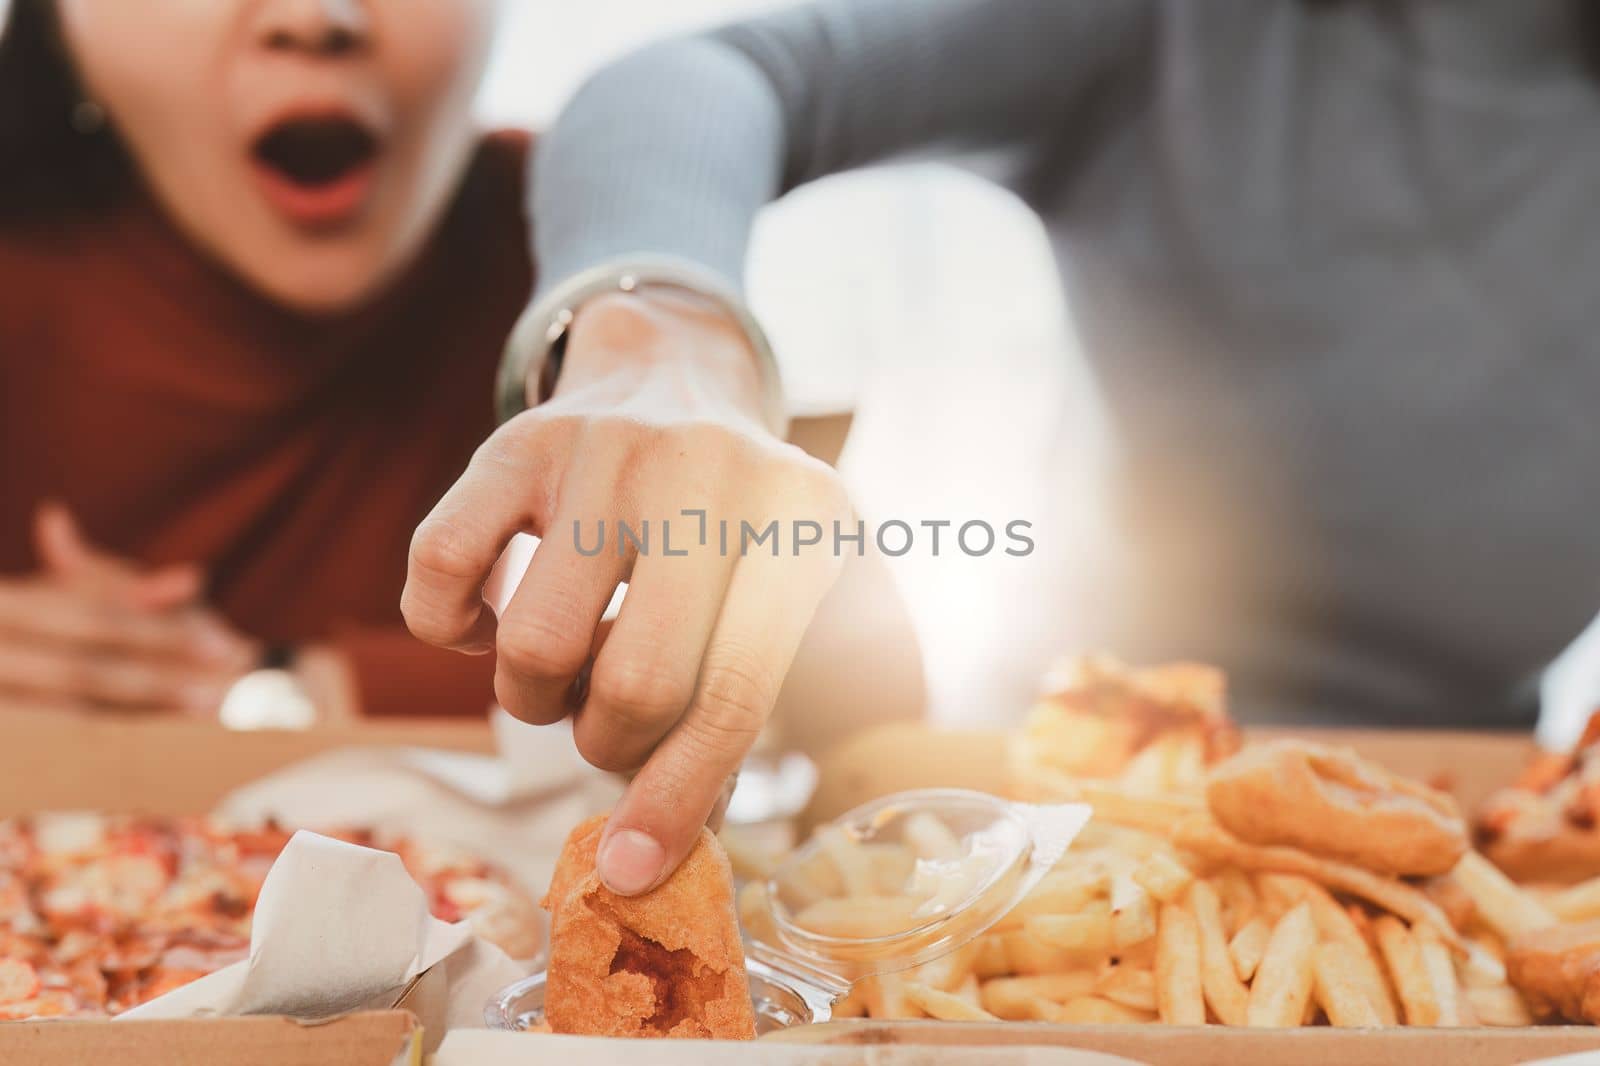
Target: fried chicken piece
x=665, y=964
x=1097, y=715
x=1545, y=826
x=1557, y=970
x=1331, y=802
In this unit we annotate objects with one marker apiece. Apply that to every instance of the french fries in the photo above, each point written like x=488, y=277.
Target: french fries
x=1224, y=990
x=1208, y=840
x=1186, y=936
x=929, y=838
x=1133, y=914
x=1504, y=907
x=1578, y=903
x=1089, y=932
x=1340, y=987
x=1248, y=945
x=1092, y=1010
x=1412, y=982
x=1335, y=925
x=1281, y=991
x=853, y=863
x=945, y=1006
x=1158, y=914
x=1179, y=997
x=1498, y=1005
x=1441, y=972
x=1163, y=876
x=949, y=973
x=862, y=917
x=1131, y=986
x=1028, y=999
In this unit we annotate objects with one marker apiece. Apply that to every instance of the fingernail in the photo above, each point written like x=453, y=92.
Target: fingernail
x=630, y=862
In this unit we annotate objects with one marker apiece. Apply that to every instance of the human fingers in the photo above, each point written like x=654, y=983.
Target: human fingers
x=644, y=674
x=49, y=610
x=73, y=674
x=546, y=633
x=770, y=603
x=509, y=487
x=65, y=551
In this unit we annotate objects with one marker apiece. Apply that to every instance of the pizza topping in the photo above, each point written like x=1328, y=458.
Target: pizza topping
x=498, y=913
x=18, y=981
x=118, y=886
x=49, y=1003
x=68, y=833
x=101, y=913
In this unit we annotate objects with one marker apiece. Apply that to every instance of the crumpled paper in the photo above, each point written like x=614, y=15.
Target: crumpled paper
x=341, y=928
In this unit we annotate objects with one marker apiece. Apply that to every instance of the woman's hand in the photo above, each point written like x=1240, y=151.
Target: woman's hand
x=91, y=630
x=655, y=420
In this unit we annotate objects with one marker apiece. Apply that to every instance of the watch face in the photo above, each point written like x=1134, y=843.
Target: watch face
x=267, y=699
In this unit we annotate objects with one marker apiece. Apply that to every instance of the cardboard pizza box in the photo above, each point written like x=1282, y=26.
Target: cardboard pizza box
x=52, y=761
x=371, y=1038
x=169, y=765
x=1215, y=1045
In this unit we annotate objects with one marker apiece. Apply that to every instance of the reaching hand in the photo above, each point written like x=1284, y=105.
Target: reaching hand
x=655, y=414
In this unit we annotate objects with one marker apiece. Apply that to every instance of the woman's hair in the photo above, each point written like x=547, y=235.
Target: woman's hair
x=51, y=160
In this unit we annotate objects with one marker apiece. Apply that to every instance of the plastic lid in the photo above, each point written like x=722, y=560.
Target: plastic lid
x=907, y=878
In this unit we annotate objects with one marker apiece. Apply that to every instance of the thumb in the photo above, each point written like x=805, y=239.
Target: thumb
x=658, y=820
x=66, y=552
x=60, y=544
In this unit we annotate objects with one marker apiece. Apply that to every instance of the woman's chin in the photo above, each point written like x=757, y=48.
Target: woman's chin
x=322, y=282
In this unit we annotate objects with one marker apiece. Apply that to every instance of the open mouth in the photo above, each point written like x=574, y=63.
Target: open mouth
x=317, y=171
x=316, y=151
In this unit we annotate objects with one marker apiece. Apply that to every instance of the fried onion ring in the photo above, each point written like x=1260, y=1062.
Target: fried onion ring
x=1557, y=969
x=1331, y=802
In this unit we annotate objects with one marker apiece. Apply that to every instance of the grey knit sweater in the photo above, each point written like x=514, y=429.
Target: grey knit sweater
x=1337, y=265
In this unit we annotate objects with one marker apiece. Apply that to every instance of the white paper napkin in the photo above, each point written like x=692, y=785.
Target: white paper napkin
x=340, y=928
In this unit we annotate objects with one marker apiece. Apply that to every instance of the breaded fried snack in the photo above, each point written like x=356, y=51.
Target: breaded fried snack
x=1331, y=802
x=1557, y=970
x=1155, y=729
x=664, y=964
x=1545, y=826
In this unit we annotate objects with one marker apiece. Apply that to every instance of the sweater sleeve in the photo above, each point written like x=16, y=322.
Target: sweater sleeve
x=673, y=149
x=397, y=675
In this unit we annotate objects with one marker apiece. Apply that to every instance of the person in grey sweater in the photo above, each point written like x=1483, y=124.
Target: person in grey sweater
x=1334, y=263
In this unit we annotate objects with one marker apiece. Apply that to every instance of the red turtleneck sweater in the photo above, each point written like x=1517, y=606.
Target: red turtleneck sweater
x=182, y=417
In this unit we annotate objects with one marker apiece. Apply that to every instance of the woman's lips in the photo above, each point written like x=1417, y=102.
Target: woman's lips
x=317, y=170
x=321, y=205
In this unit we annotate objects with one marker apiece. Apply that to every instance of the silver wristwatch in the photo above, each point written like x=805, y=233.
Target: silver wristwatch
x=543, y=326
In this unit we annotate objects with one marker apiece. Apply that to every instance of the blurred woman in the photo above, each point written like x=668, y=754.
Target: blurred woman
x=257, y=268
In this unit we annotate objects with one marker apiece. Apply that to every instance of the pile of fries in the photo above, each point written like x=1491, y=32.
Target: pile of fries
x=1188, y=926
x=1157, y=913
